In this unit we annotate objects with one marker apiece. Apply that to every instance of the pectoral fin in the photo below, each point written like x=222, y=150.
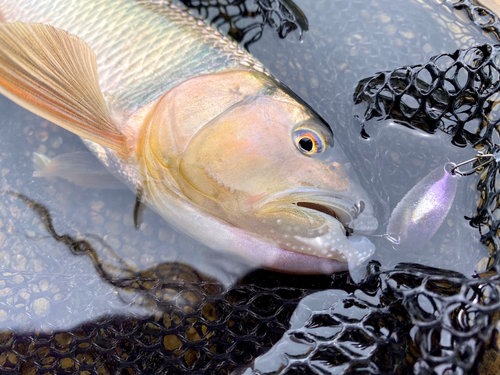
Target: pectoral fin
x=54, y=74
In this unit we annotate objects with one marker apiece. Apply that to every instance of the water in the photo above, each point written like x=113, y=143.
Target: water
x=348, y=42
x=45, y=287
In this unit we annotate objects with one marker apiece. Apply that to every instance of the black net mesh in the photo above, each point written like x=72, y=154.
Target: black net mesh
x=198, y=327
x=455, y=93
x=450, y=318
x=482, y=17
x=244, y=21
x=222, y=333
x=413, y=319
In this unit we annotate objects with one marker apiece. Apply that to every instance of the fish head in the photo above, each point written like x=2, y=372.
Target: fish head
x=270, y=165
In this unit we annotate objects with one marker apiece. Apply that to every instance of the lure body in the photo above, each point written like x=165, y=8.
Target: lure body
x=418, y=216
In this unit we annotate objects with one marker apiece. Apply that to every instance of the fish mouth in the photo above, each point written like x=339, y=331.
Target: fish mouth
x=339, y=213
x=353, y=211
x=356, y=218
x=337, y=223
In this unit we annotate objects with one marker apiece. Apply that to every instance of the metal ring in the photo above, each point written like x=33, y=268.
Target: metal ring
x=455, y=170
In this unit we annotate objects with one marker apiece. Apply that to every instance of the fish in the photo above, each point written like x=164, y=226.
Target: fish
x=221, y=149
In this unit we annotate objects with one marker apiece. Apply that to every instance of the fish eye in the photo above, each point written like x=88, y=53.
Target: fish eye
x=308, y=140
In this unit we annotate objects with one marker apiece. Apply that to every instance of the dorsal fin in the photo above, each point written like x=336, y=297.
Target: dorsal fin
x=54, y=74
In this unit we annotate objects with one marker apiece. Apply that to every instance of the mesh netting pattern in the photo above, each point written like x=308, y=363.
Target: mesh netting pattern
x=482, y=17
x=413, y=319
x=221, y=334
x=455, y=93
x=451, y=320
x=244, y=21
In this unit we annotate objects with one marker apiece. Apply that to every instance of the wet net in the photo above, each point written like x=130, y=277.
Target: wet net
x=455, y=93
x=451, y=320
x=412, y=319
x=244, y=21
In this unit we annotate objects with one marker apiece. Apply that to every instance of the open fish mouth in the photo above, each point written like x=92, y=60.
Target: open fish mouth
x=339, y=213
x=355, y=217
x=336, y=224
x=356, y=220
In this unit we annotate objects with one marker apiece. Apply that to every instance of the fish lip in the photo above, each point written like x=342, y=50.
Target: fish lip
x=335, y=205
x=337, y=211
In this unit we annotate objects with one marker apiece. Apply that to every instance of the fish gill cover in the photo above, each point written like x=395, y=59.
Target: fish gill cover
x=412, y=319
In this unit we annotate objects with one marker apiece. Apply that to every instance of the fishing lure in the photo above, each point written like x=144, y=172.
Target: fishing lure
x=421, y=212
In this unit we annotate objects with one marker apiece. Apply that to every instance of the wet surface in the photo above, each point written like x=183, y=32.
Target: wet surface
x=341, y=50
x=129, y=275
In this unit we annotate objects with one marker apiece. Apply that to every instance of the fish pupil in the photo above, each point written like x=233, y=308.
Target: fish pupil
x=306, y=144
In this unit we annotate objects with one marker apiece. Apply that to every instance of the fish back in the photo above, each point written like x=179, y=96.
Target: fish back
x=143, y=48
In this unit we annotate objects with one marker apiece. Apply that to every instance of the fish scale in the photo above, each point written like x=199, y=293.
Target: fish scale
x=136, y=43
x=181, y=99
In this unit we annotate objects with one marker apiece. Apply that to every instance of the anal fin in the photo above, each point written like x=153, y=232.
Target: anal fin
x=54, y=74
x=80, y=167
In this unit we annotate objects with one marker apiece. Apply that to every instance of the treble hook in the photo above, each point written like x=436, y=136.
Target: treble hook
x=480, y=155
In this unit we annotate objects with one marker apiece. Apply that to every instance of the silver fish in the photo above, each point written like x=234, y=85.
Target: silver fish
x=223, y=151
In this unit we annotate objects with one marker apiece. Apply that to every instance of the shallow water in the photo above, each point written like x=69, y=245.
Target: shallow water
x=44, y=286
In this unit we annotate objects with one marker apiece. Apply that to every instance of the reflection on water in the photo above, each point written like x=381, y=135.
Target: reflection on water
x=150, y=289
